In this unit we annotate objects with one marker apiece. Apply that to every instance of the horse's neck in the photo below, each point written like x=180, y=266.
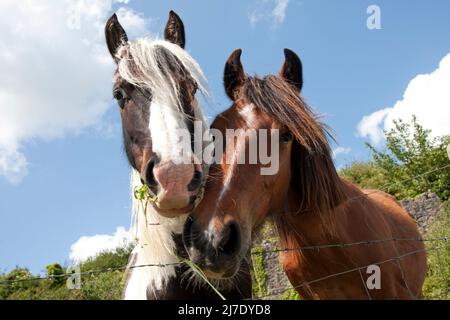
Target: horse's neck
x=298, y=229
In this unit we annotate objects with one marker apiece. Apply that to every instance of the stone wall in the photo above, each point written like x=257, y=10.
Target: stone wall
x=269, y=273
x=270, y=278
x=423, y=209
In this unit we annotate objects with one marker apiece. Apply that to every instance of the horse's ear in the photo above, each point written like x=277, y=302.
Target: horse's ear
x=115, y=35
x=292, y=69
x=234, y=75
x=174, y=31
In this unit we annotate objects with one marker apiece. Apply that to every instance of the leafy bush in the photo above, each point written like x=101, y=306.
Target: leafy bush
x=56, y=271
x=411, y=152
x=108, y=259
x=367, y=175
x=105, y=285
x=102, y=286
x=437, y=283
x=14, y=283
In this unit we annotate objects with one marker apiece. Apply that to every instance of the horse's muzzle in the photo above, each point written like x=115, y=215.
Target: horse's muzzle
x=216, y=252
x=174, y=185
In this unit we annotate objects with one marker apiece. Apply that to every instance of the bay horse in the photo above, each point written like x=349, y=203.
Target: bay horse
x=157, y=86
x=309, y=203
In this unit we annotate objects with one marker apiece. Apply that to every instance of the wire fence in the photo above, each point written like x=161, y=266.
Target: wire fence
x=443, y=242
x=278, y=291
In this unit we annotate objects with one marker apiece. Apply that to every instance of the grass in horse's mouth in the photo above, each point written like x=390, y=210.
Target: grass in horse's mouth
x=142, y=194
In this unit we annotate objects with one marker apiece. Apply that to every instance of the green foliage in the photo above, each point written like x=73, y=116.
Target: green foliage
x=290, y=294
x=410, y=152
x=260, y=278
x=365, y=174
x=56, y=271
x=259, y=275
x=15, y=277
x=437, y=283
x=42, y=290
x=114, y=259
x=102, y=286
x=98, y=286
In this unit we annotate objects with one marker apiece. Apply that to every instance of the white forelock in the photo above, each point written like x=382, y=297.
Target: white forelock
x=142, y=64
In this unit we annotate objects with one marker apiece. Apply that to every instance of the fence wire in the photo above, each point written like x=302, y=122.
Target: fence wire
x=256, y=252
x=347, y=245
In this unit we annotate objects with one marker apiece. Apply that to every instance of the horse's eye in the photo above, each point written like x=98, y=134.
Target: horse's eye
x=286, y=137
x=120, y=95
x=195, y=89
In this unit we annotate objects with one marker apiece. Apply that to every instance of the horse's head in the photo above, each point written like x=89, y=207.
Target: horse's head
x=155, y=85
x=240, y=195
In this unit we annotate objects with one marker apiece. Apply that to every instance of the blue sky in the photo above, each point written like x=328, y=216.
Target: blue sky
x=63, y=174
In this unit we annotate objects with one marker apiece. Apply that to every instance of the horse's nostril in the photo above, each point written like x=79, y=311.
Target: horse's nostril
x=150, y=176
x=196, y=181
x=231, y=240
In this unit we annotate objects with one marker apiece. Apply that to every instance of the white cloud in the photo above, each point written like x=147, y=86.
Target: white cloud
x=279, y=12
x=273, y=11
x=370, y=126
x=87, y=247
x=13, y=164
x=340, y=151
x=56, y=72
x=427, y=97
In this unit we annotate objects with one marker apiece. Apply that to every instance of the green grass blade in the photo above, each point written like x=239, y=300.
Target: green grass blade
x=197, y=270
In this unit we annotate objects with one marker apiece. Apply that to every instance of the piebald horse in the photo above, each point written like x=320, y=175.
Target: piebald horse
x=157, y=85
x=309, y=203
